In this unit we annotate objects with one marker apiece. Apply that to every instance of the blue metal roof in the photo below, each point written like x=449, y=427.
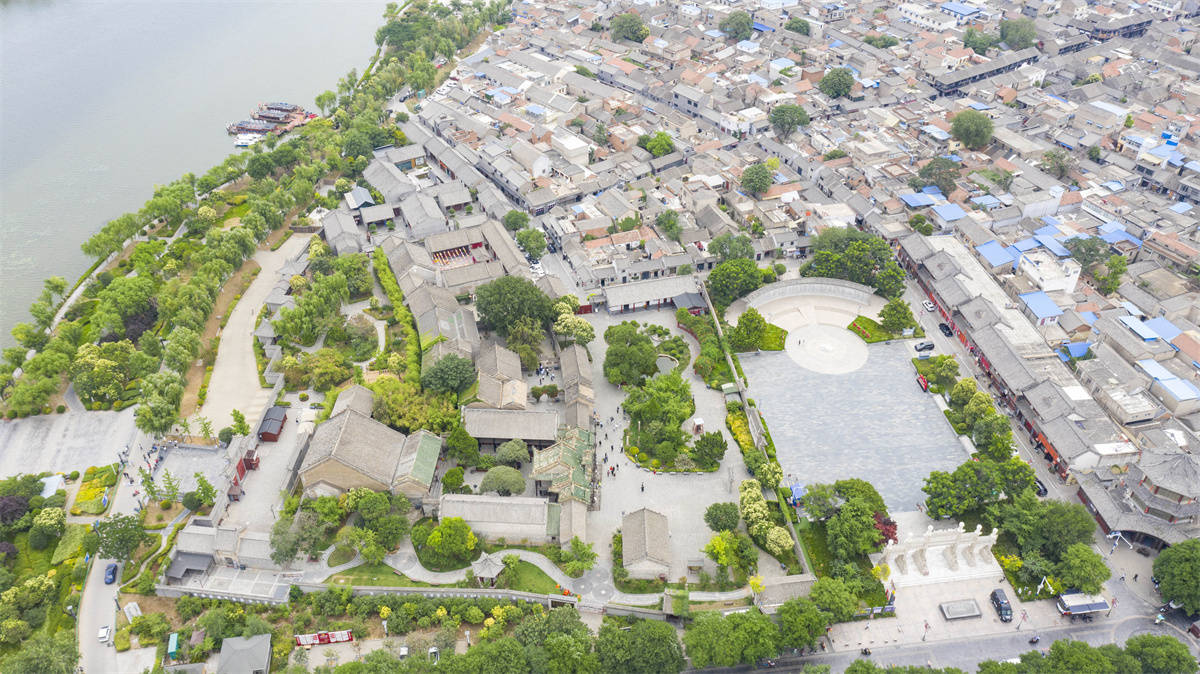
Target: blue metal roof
x=1139, y=328
x=916, y=200
x=1040, y=304
x=1166, y=329
x=1155, y=369
x=995, y=253
x=950, y=212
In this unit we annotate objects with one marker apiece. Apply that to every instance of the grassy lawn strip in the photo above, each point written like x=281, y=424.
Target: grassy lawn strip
x=341, y=555
x=378, y=575
x=869, y=330
x=527, y=577
x=812, y=537
x=773, y=338
x=69, y=544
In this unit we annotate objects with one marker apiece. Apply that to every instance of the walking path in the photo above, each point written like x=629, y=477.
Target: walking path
x=234, y=383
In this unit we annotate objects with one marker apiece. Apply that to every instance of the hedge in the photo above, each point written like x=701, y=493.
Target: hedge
x=404, y=317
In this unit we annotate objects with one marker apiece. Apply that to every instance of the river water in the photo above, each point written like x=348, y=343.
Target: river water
x=100, y=101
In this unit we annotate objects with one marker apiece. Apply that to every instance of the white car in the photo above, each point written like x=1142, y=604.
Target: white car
x=105, y=633
x=928, y=306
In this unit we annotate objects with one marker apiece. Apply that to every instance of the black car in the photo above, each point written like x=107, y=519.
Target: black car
x=945, y=329
x=110, y=574
x=924, y=346
x=1039, y=487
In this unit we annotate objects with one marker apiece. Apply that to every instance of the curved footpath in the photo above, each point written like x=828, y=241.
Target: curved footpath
x=593, y=587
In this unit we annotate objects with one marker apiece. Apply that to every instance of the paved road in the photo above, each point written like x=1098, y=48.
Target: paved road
x=234, y=383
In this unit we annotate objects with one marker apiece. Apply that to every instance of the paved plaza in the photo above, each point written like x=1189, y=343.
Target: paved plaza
x=873, y=423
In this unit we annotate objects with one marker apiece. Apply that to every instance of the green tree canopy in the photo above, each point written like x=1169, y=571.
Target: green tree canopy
x=506, y=300
x=757, y=179
x=738, y=26
x=972, y=128
x=1177, y=569
x=722, y=516
x=533, y=241
x=1018, y=33
x=732, y=279
x=787, y=117
x=629, y=26
x=450, y=374
x=837, y=83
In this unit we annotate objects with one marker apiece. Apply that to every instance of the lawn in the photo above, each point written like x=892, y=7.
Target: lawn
x=812, y=538
x=869, y=330
x=527, y=577
x=773, y=338
x=378, y=575
x=340, y=555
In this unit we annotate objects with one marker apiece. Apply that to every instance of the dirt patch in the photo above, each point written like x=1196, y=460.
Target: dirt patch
x=236, y=285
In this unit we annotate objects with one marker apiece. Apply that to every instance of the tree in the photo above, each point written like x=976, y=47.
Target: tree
x=44, y=654
x=819, y=501
x=831, y=596
x=515, y=220
x=732, y=279
x=972, y=128
x=978, y=41
x=668, y=223
x=648, y=647
x=450, y=374
x=1018, y=33
x=896, y=315
x=786, y=118
x=240, y=427
x=577, y=328
x=503, y=480
x=722, y=516
x=629, y=26
x=1094, y=153
x=801, y=623
x=630, y=357
x=506, y=300
x=728, y=247
x=325, y=101
x=461, y=447
x=1177, y=569
x=119, y=536
x=452, y=540
x=757, y=179
x=710, y=449
x=514, y=452
x=851, y=531
x=533, y=241
x=1057, y=162
x=738, y=26
x=797, y=25
x=1109, y=282
x=837, y=82
x=660, y=144
x=1082, y=568
x=1160, y=653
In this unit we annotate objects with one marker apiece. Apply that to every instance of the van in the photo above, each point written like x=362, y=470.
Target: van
x=1000, y=603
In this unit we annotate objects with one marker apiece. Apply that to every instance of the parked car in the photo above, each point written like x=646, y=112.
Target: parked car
x=1040, y=487
x=945, y=329
x=928, y=306
x=110, y=574
x=1000, y=603
x=924, y=346
x=105, y=632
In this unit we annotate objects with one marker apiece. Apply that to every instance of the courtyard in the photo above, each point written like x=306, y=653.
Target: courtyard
x=872, y=422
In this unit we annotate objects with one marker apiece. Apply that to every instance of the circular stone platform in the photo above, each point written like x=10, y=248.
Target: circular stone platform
x=826, y=349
